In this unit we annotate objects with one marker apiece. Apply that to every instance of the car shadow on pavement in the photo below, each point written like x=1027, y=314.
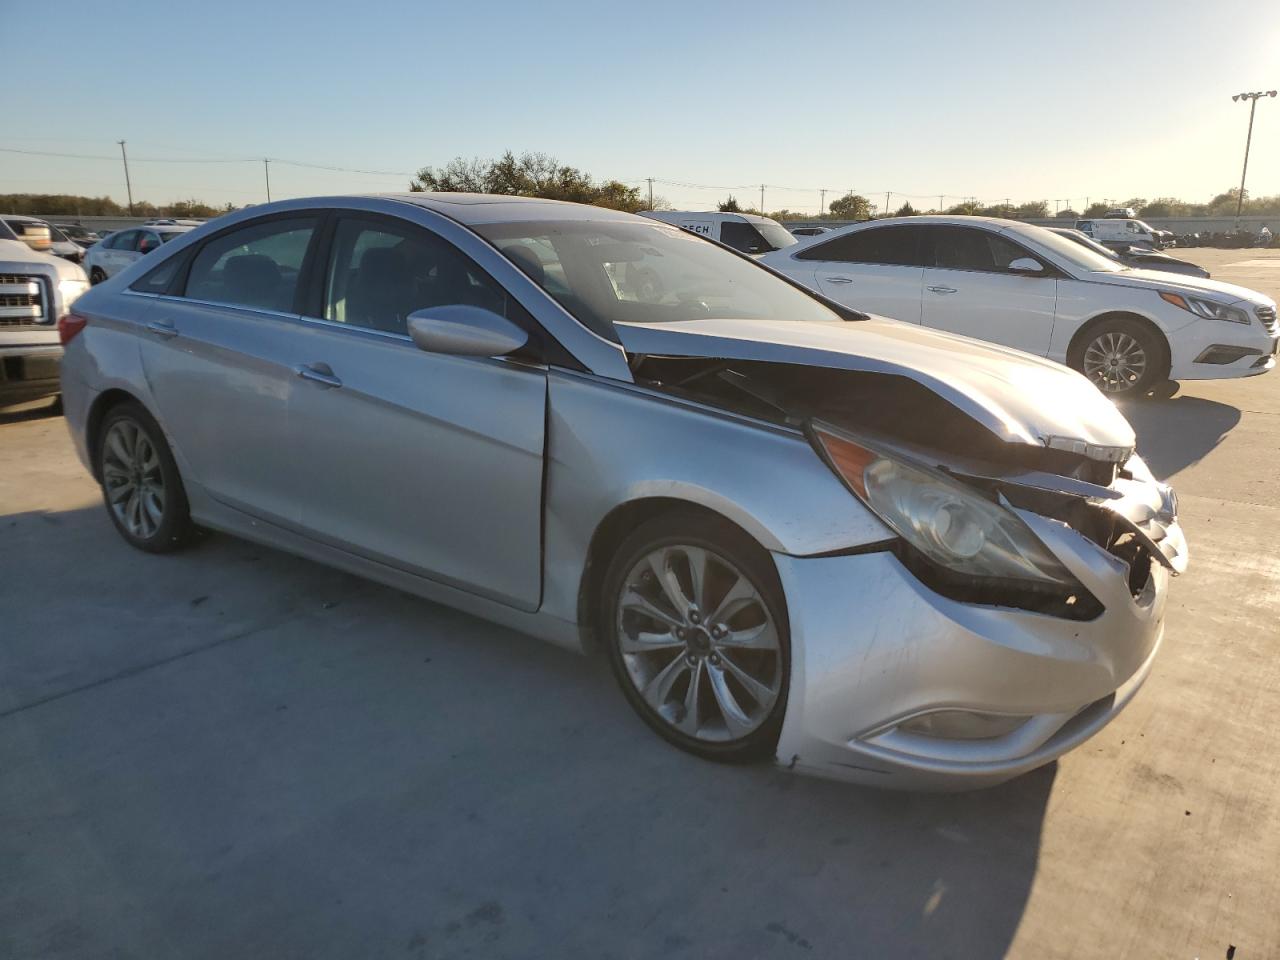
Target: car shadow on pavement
x=35, y=410
x=250, y=754
x=1174, y=434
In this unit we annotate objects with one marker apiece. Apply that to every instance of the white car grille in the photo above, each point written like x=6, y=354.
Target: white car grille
x=1268, y=317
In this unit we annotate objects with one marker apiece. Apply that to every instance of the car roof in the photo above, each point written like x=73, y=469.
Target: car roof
x=480, y=208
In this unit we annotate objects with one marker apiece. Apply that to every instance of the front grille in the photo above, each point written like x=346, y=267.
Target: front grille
x=1267, y=316
x=24, y=301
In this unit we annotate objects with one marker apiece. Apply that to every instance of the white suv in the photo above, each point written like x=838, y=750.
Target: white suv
x=1023, y=286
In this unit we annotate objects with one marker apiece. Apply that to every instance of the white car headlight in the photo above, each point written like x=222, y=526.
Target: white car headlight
x=1206, y=308
x=974, y=549
x=70, y=291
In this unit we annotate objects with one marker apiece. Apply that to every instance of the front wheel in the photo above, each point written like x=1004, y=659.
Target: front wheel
x=1123, y=358
x=696, y=629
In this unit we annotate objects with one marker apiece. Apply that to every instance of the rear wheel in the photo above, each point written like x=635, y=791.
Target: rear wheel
x=140, y=483
x=1122, y=357
x=696, y=629
x=97, y=275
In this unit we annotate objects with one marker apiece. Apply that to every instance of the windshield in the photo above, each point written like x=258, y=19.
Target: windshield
x=1075, y=236
x=1082, y=258
x=607, y=272
x=57, y=235
x=774, y=233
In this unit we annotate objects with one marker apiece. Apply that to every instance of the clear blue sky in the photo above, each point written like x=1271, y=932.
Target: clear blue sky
x=1105, y=100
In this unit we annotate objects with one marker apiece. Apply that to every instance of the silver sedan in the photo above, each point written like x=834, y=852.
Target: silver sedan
x=866, y=550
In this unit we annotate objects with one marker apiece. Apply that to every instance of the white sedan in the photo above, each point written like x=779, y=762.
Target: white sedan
x=112, y=254
x=1129, y=331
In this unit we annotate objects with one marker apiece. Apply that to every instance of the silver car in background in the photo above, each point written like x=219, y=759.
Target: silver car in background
x=867, y=550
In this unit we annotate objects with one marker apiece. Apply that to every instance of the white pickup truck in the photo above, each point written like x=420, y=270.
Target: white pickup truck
x=36, y=289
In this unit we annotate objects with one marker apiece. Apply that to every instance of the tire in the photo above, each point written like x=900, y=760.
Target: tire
x=669, y=655
x=96, y=276
x=141, y=487
x=1123, y=357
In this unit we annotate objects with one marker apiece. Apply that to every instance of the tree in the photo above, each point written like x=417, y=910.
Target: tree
x=1035, y=210
x=851, y=206
x=1067, y=214
x=730, y=206
x=529, y=175
x=1095, y=210
x=906, y=210
x=969, y=208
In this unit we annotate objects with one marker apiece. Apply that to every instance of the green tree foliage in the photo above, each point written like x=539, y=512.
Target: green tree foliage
x=68, y=205
x=906, y=210
x=1031, y=211
x=528, y=175
x=969, y=208
x=851, y=206
x=730, y=205
x=1067, y=214
x=1095, y=210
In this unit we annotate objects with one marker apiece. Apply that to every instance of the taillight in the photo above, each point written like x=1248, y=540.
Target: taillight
x=69, y=325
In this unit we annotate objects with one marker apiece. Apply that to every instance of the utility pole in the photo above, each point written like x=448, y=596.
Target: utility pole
x=1253, y=105
x=822, y=200
x=650, y=179
x=886, y=203
x=939, y=203
x=127, y=185
x=762, y=199
x=266, y=172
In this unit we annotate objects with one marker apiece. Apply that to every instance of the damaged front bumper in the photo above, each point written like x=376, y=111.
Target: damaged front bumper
x=873, y=648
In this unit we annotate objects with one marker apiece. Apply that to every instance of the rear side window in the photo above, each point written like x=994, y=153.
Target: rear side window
x=253, y=266
x=893, y=246
x=124, y=240
x=148, y=241
x=161, y=278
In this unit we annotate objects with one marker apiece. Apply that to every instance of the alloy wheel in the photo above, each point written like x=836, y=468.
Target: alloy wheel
x=1115, y=361
x=132, y=478
x=699, y=643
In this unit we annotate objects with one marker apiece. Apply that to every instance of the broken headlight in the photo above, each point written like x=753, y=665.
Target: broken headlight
x=959, y=542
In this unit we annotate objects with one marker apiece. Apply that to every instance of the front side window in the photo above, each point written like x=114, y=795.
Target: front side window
x=966, y=248
x=253, y=266
x=124, y=240
x=380, y=272
x=892, y=246
x=605, y=272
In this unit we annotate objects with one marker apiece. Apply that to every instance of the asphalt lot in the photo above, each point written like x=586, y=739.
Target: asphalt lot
x=234, y=753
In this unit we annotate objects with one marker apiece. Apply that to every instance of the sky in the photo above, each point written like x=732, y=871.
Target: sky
x=989, y=100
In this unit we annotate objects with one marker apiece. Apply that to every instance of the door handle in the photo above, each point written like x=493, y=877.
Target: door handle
x=162, y=328
x=837, y=280
x=319, y=373
x=943, y=289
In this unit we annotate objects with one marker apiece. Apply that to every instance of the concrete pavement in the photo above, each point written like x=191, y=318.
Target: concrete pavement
x=233, y=753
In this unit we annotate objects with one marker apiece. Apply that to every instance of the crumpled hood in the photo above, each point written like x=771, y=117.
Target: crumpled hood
x=1020, y=398
x=1156, y=280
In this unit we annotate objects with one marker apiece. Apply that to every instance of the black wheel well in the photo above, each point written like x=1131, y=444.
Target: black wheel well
x=610, y=532
x=97, y=413
x=1076, y=347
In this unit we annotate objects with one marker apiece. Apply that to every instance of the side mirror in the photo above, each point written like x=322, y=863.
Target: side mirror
x=1026, y=265
x=464, y=331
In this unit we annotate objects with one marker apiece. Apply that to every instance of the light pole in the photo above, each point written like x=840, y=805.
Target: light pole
x=1253, y=105
x=127, y=185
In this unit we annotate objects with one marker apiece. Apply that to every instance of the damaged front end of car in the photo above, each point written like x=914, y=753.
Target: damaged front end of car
x=1017, y=599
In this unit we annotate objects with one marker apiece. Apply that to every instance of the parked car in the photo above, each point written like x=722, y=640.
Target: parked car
x=123, y=247
x=36, y=289
x=809, y=231
x=59, y=244
x=1142, y=258
x=1024, y=286
x=79, y=234
x=868, y=550
x=742, y=231
x=1120, y=213
x=28, y=230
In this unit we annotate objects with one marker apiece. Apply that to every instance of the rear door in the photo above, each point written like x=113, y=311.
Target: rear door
x=119, y=251
x=428, y=463
x=971, y=290
x=221, y=349
x=876, y=269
